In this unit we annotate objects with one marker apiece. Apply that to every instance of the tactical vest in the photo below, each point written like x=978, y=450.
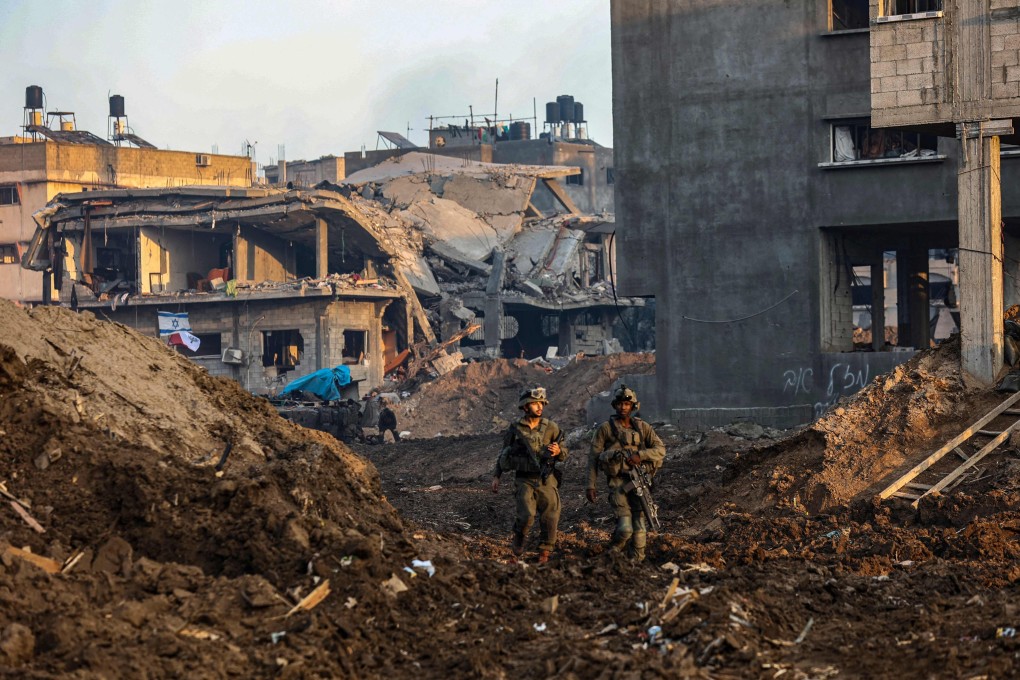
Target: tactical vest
x=629, y=440
x=524, y=454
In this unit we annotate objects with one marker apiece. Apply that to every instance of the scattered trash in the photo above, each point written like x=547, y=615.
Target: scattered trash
x=312, y=599
x=540, y=627
x=426, y=565
x=346, y=560
x=905, y=563
x=671, y=567
x=608, y=629
x=276, y=637
x=393, y=586
x=803, y=633
x=1005, y=632
x=551, y=604
x=435, y=487
x=411, y=571
x=351, y=603
x=653, y=633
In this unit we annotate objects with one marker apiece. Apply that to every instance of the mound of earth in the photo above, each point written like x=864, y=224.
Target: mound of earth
x=482, y=396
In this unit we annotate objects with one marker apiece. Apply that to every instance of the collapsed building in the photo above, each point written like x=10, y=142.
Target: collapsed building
x=391, y=268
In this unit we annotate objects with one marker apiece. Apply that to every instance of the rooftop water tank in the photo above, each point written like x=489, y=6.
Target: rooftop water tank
x=116, y=106
x=566, y=103
x=33, y=97
x=552, y=113
x=578, y=116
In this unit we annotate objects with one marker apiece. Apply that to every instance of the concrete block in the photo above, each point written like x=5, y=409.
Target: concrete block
x=885, y=100
x=883, y=68
x=919, y=50
x=908, y=98
x=894, y=83
x=920, y=81
x=893, y=52
x=908, y=67
x=1012, y=74
x=1011, y=42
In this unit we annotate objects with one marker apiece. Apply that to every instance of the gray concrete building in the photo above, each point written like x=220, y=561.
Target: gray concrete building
x=751, y=184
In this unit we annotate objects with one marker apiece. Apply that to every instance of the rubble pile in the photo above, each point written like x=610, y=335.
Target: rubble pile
x=158, y=522
x=481, y=397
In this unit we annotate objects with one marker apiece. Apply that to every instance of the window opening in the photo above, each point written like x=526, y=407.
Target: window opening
x=858, y=141
x=847, y=15
x=282, y=349
x=576, y=180
x=912, y=6
x=8, y=253
x=610, y=176
x=9, y=195
x=209, y=346
x=355, y=346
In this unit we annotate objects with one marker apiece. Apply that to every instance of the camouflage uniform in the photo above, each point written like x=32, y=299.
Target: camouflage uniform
x=536, y=479
x=612, y=439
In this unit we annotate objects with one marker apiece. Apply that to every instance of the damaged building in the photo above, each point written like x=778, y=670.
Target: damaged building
x=749, y=243
x=391, y=268
x=52, y=156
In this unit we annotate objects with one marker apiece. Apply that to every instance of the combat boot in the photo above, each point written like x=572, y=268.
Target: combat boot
x=517, y=544
x=543, y=556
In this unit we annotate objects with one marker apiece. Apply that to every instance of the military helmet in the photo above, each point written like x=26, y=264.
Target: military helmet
x=623, y=394
x=531, y=395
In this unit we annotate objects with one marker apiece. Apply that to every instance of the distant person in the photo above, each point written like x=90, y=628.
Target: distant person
x=533, y=448
x=387, y=421
x=622, y=442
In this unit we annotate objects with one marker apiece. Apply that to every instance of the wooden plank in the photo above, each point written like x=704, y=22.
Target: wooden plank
x=909, y=496
x=1011, y=412
x=972, y=461
x=956, y=441
x=313, y=598
x=989, y=433
x=915, y=485
x=561, y=196
x=960, y=453
x=44, y=563
x=532, y=211
x=29, y=520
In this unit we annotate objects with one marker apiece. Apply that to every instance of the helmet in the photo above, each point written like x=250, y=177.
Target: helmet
x=532, y=395
x=623, y=394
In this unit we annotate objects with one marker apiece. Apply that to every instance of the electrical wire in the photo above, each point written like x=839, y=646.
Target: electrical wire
x=743, y=318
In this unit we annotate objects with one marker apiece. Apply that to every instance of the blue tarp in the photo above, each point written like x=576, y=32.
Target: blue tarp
x=324, y=383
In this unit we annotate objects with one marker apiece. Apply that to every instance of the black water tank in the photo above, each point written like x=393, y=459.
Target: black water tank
x=520, y=130
x=566, y=103
x=578, y=112
x=552, y=112
x=33, y=97
x=116, y=106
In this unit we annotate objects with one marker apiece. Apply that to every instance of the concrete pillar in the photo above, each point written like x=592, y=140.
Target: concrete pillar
x=878, y=305
x=980, y=224
x=903, y=332
x=917, y=296
x=321, y=248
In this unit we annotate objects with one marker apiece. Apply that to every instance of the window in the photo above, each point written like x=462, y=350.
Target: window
x=209, y=346
x=911, y=6
x=282, y=349
x=8, y=253
x=610, y=176
x=577, y=180
x=9, y=195
x=857, y=141
x=355, y=346
x=847, y=15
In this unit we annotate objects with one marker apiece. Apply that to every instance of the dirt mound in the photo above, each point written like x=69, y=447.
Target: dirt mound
x=481, y=397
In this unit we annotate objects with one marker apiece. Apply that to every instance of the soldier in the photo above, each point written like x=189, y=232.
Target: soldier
x=387, y=421
x=533, y=448
x=624, y=440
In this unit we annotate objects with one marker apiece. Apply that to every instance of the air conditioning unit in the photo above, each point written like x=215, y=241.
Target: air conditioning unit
x=232, y=355
x=202, y=160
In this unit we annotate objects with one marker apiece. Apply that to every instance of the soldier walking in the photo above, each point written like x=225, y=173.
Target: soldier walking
x=624, y=440
x=533, y=449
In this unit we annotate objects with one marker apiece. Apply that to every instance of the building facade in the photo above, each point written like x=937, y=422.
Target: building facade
x=751, y=182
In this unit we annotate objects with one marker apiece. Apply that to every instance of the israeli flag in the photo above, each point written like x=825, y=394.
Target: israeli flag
x=170, y=323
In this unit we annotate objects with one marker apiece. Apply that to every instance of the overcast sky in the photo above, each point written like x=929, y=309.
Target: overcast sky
x=318, y=76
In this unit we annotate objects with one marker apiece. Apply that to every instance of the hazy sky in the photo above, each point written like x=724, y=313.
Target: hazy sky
x=319, y=76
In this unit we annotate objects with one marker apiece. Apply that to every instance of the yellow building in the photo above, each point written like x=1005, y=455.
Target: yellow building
x=35, y=169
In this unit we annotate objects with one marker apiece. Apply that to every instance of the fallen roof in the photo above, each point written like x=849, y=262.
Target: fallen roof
x=420, y=162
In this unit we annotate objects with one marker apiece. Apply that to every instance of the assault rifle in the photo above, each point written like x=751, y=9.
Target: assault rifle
x=642, y=488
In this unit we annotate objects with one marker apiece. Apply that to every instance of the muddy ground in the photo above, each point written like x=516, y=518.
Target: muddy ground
x=172, y=560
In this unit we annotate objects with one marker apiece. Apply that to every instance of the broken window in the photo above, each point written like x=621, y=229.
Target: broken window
x=282, y=349
x=355, y=346
x=856, y=140
x=9, y=195
x=911, y=6
x=576, y=180
x=209, y=346
x=550, y=325
x=847, y=15
x=8, y=253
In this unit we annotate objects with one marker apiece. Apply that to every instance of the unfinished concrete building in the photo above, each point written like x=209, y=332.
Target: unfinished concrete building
x=753, y=184
x=53, y=157
x=275, y=284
